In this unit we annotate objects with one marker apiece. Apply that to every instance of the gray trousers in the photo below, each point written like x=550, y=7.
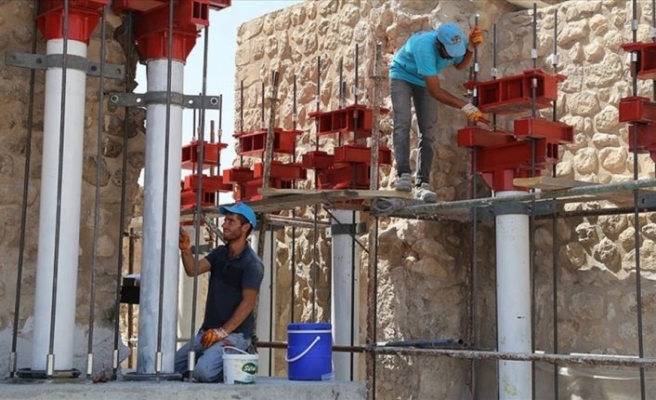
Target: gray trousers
x=426, y=108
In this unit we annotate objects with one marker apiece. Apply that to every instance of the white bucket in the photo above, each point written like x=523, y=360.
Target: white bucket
x=239, y=369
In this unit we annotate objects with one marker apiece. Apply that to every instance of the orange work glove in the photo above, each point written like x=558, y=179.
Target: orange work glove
x=184, y=242
x=212, y=336
x=475, y=38
x=474, y=114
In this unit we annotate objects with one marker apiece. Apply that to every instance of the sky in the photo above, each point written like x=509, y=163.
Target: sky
x=220, y=65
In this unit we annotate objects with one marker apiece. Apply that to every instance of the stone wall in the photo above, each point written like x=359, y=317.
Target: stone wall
x=423, y=265
x=16, y=27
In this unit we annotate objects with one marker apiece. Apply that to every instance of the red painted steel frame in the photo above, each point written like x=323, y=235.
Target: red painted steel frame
x=646, y=63
x=211, y=154
x=83, y=17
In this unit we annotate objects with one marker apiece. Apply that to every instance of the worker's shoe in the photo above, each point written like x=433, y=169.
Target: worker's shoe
x=404, y=183
x=424, y=193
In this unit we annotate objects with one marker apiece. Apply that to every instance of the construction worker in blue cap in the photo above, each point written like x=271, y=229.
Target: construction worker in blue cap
x=236, y=273
x=414, y=76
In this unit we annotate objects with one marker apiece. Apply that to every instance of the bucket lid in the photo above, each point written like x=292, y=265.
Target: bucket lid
x=309, y=326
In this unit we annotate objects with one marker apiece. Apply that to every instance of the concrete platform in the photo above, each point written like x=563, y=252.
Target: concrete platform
x=266, y=388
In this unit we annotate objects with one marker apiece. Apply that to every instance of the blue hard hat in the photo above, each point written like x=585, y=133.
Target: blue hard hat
x=242, y=209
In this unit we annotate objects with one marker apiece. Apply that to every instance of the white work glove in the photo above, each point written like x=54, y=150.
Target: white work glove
x=474, y=114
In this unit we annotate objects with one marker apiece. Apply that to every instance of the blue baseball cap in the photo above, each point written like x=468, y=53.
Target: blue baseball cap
x=453, y=39
x=241, y=209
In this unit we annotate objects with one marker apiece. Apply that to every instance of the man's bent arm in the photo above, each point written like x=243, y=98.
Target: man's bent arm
x=465, y=60
x=433, y=86
x=245, y=307
x=188, y=262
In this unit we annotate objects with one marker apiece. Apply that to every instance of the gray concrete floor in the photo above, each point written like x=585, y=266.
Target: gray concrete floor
x=265, y=388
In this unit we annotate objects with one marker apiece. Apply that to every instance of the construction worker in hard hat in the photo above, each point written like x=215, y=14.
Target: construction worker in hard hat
x=414, y=76
x=236, y=273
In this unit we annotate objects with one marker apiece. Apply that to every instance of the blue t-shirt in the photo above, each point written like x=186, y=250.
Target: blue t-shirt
x=419, y=58
x=228, y=277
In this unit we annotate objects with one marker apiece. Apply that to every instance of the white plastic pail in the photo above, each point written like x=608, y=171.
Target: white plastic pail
x=239, y=369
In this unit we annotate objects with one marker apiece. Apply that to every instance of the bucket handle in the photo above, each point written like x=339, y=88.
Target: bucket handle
x=234, y=348
x=304, y=352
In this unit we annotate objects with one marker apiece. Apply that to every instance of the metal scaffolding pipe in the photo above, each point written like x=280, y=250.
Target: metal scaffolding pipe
x=264, y=328
x=153, y=224
x=513, y=302
x=344, y=273
x=64, y=281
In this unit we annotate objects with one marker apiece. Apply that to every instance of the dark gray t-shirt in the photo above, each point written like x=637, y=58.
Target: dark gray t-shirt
x=228, y=277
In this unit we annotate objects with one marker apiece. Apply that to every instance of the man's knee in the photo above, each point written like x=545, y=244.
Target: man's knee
x=203, y=373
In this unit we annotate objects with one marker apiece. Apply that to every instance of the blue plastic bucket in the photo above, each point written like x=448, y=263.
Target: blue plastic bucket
x=309, y=352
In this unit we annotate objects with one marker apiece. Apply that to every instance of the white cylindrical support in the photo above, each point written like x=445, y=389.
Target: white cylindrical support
x=154, y=202
x=264, y=327
x=342, y=279
x=186, y=291
x=69, y=228
x=513, y=302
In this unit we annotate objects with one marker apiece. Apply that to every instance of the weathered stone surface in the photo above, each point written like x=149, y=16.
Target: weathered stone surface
x=587, y=306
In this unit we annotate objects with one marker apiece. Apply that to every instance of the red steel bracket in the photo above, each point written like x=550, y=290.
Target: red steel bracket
x=188, y=199
x=637, y=109
x=500, y=164
x=152, y=25
x=646, y=138
x=356, y=118
x=353, y=153
x=210, y=183
x=211, y=154
x=83, y=17
x=514, y=94
x=473, y=136
x=317, y=160
x=646, y=62
x=237, y=175
x=280, y=170
x=555, y=132
x=254, y=143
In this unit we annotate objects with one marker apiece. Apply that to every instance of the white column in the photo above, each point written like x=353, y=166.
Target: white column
x=153, y=222
x=342, y=279
x=513, y=302
x=264, y=329
x=186, y=291
x=69, y=228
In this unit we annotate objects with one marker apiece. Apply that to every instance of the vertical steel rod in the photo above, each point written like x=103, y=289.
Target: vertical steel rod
x=50, y=363
x=531, y=223
x=293, y=247
x=316, y=206
x=96, y=204
x=167, y=148
x=131, y=238
x=26, y=180
x=554, y=228
x=241, y=116
x=272, y=319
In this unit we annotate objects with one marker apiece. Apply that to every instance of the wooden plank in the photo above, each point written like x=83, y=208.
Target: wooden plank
x=549, y=183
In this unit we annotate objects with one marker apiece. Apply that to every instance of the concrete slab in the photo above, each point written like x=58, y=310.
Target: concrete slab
x=266, y=388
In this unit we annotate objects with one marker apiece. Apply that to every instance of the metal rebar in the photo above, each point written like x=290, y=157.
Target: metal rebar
x=554, y=227
x=293, y=245
x=26, y=180
x=354, y=271
x=559, y=359
x=241, y=117
x=316, y=186
x=131, y=239
x=96, y=204
x=60, y=171
x=375, y=129
x=272, y=263
x=371, y=339
x=167, y=149
x=124, y=165
x=200, y=164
